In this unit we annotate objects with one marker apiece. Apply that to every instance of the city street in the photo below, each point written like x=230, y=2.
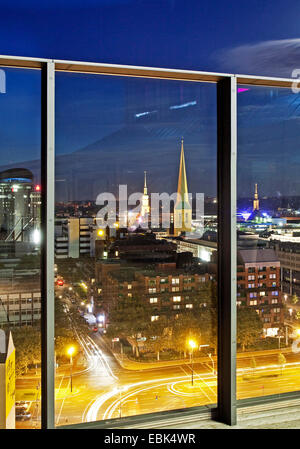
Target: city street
x=105, y=390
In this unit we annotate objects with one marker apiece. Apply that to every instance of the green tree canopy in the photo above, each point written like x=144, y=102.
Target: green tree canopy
x=249, y=327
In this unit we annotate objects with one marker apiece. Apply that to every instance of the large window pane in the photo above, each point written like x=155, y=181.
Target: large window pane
x=268, y=241
x=135, y=289
x=20, y=211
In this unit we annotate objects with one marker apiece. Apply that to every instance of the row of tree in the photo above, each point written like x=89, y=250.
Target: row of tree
x=130, y=318
x=27, y=339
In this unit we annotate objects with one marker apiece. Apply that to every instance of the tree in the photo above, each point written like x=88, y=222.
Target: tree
x=159, y=336
x=249, y=327
x=27, y=341
x=295, y=299
x=129, y=318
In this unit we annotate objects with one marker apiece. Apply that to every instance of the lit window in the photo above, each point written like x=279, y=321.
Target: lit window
x=175, y=281
x=154, y=317
x=176, y=298
x=189, y=306
x=153, y=300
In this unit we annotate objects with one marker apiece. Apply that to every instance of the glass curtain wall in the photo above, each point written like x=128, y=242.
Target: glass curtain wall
x=20, y=213
x=135, y=246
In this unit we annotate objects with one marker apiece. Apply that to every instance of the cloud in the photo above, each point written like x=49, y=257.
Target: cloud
x=268, y=58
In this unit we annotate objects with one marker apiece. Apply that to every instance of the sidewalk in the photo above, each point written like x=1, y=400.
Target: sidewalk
x=62, y=370
x=126, y=363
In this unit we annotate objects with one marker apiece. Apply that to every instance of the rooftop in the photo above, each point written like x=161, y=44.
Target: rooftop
x=257, y=255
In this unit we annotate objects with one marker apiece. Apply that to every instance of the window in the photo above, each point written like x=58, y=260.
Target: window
x=112, y=120
x=275, y=252
x=251, y=278
x=20, y=246
x=111, y=115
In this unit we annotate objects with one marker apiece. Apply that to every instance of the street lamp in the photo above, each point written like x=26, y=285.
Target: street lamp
x=120, y=390
x=212, y=361
x=70, y=352
x=192, y=345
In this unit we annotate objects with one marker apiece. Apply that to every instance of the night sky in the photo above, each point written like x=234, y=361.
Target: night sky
x=98, y=121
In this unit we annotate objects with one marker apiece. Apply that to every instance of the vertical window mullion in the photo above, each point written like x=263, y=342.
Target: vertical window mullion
x=47, y=271
x=227, y=269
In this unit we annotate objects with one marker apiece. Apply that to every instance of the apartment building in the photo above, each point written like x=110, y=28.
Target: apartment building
x=258, y=286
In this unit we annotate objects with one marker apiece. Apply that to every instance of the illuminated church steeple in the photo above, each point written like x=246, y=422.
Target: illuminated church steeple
x=182, y=208
x=256, y=200
x=145, y=208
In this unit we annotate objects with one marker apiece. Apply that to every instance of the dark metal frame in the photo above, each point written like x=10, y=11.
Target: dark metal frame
x=226, y=112
x=227, y=143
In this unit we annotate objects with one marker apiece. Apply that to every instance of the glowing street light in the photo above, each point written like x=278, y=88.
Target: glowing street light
x=192, y=345
x=298, y=332
x=100, y=232
x=70, y=288
x=70, y=353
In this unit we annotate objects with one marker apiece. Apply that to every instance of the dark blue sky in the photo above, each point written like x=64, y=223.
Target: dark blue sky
x=256, y=37
x=164, y=33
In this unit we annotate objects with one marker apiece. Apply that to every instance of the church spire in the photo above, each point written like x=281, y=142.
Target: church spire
x=256, y=200
x=182, y=208
x=145, y=183
x=145, y=209
x=182, y=188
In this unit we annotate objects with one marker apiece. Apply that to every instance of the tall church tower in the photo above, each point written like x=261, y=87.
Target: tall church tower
x=145, y=208
x=256, y=200
x=182, y=208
